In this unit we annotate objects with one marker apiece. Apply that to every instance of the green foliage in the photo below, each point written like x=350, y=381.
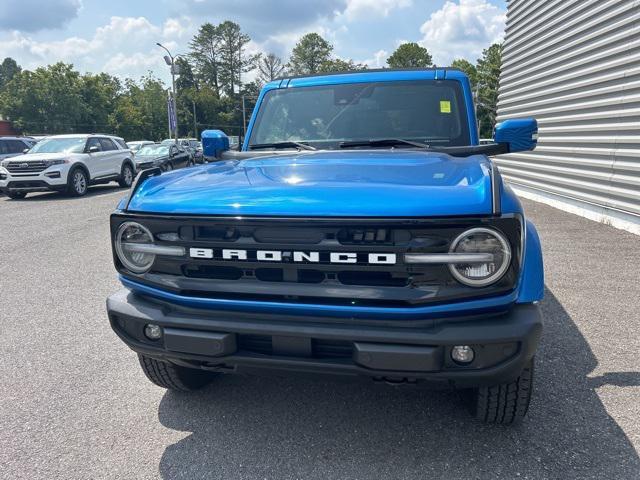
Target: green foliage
x=309, y=55
x=234, y=61
x=468, y=68
x=339, y=65
x=488, y=75
x=219, y=55
x=205, y=55
x=410, y=55
x=141, y=111
x=47, y=100
x=8, y=69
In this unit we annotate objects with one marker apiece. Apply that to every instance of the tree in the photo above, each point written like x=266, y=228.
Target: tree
x=140, y=112
x=206, y=56
x=186, y=79
x=99, y=93
x=8, y=69
x=339, y=65
x=310, y=53
x=234, y=61
x=488, y=75
x=468, y=68
x=47, y=100
x=270, y=67
x=410, y=55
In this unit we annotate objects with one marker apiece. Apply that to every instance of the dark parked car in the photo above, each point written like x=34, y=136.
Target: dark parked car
x=167, y=157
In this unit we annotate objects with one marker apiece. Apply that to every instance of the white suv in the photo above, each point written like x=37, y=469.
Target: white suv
x=68, y=163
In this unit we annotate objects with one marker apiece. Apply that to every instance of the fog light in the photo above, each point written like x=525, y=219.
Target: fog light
x=462, y=354
x=152, y=331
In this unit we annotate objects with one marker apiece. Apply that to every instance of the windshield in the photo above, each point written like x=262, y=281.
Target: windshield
x=135, y=146
x=155, y=150
x=59, y=145
x=429, y=111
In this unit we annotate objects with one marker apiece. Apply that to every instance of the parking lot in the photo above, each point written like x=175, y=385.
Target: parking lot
x=75, y=404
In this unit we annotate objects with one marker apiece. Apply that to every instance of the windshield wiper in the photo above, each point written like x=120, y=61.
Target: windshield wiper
x=383, y=142
x=287, y=144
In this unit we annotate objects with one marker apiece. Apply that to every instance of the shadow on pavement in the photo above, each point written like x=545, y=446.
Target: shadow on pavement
x=250, y=427
x=93, y=191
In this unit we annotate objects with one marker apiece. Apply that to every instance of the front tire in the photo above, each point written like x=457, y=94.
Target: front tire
x=78, y=183
x=126, y=176
x=174, y=377
x=505, y=403
x=16, y=195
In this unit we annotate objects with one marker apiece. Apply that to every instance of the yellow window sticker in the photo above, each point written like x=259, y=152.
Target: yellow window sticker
x=445, y=106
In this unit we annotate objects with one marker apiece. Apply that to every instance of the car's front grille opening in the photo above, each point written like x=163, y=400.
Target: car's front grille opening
x=299, y=236
x=216, y=233
x=26, y=167
x=213, y=272
x=372, y=279
x=317, y=277
x=310, y=276
x=269, y=274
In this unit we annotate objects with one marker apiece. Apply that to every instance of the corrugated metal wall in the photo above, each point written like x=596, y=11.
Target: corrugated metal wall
x=575, y=66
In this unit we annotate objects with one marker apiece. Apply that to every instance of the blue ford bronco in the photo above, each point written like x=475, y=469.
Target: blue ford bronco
x=362, y=230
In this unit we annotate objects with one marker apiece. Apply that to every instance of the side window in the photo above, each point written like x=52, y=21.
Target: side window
x=94, y=142
x=121, y=143
x=15, y=146
x=173, y=151
x=107, y=145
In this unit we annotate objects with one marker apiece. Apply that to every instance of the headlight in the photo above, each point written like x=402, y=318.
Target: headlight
x=132, y=242
x=56, y=162
x=483, y=272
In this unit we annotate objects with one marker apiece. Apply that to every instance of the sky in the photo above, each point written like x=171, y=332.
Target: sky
x=119, y=36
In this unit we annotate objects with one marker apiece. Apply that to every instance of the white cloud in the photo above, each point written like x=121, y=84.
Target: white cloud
x=357, y=9
x=126, y=46
x=462, y=29
x=378, y=60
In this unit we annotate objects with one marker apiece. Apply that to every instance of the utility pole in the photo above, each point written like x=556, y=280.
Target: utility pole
x=170, y=60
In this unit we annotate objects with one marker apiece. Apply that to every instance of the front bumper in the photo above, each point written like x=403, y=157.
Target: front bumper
x=53, y=178
x=229, y=341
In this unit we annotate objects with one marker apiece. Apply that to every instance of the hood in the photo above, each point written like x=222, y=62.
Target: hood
x=355, y=183
x=150, y=158
x=39, y=157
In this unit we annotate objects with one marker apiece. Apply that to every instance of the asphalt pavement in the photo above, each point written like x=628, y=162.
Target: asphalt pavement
x=74, y=403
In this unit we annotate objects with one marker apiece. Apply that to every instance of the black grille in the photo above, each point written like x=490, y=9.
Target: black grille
x=324, y=281
x=26, y=167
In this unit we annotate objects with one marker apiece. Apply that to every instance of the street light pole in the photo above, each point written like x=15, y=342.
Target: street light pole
x=170, y=60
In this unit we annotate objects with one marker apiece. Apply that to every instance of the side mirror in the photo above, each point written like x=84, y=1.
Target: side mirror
x=25, y=150
x=94, y=149
x=517, y=134
x=214, y=142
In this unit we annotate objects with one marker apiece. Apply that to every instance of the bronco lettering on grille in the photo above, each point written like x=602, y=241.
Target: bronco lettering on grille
x=293, y=256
